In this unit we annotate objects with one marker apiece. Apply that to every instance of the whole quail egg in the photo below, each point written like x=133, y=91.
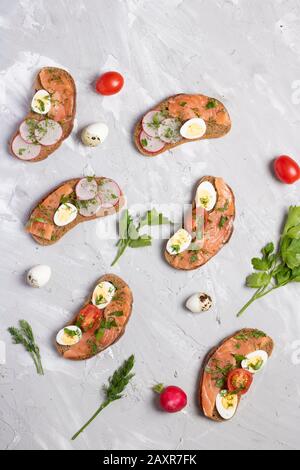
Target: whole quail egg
x=198, y=303
x=94, y=134
x=39, y=276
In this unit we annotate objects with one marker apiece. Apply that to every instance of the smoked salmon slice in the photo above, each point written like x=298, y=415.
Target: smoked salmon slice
x=60, y=88
x=217, y=230
x=222, y=359
x=171, y=114
x=91, y=319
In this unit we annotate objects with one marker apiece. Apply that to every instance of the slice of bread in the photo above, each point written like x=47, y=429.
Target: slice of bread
x=61, y=231
x=67, y=124
x=213, y=131
x=182, y=261
x=254, y=342
x=124, y=302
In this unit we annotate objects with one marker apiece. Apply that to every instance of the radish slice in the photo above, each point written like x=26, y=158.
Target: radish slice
x=86, y=189
x=90, y=208
x=151, y=123
x=169, y=131
x=109, y=192
x=24, y=150
x=48, y=132
x=151, y=144
x=27, y=130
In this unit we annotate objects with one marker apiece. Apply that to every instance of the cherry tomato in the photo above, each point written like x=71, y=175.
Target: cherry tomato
x=87, y=317
x=173, y=399
x=239, y=380
x=109, y=83
x=286, y=169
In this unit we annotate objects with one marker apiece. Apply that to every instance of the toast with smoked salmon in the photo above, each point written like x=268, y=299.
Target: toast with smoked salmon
x=208, y=227
x=228, y=372
x=180, y=119
x=50, y=119
x=75, y=201
x=100, y=323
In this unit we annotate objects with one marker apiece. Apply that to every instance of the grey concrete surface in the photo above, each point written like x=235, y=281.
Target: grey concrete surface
x=245, y=53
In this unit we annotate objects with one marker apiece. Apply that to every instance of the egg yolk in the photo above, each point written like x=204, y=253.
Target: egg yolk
x=229, y=401
x=194, y=130
x=69, y=340
x=255, y=363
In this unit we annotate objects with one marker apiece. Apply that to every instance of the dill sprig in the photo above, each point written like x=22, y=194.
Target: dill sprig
x=24, y=335
x=113, y=391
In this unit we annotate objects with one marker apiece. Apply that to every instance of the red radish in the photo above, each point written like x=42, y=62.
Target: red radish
x=286, y=169
x=91, y=207
x=151, y=144
x=24, y=150
x=109, y=192
x=151, y=123
x=86, y=189
x=48, y=132
x=169, y=131
x=26, y=130
x=172, y=399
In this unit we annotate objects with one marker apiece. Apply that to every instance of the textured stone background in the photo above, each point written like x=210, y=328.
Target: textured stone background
x=243, y=52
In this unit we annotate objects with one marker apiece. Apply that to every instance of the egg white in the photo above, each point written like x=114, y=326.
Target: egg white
x=222, y=400
x=65, y=214
x=206, y=196
x=181, y=240
x=63, y=339
x=104, y=292
x=262, y=355
x=41, y=102
x=193, y=129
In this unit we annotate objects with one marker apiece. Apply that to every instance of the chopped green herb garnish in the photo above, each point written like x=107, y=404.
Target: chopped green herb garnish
x=223, y=221
x=211, y=104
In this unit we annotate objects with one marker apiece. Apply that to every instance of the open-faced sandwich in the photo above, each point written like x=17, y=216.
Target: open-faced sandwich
x=101, y=321
x=75, y=201
x=180, y=119
x=208, y=227
x=228, y=372
x=50, y=119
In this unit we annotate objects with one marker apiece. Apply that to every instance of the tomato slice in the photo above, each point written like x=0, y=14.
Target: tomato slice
x=239, y=381
x=87, y=317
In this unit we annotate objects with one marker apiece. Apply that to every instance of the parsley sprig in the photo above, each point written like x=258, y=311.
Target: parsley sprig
x=130, y=232
x=24, y=335
x=113, y=391
x=276, y=269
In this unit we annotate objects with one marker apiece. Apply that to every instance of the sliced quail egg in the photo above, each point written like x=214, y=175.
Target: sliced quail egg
x=39, y=276
x=193, y=129
x=94, y=134
x=255, y=361
x=41, y=102
x=103, y=294
x=226, y=404
x=206, y=196
x=65, y=214
x=69, y=336
x=198, y=303
x=180, y=242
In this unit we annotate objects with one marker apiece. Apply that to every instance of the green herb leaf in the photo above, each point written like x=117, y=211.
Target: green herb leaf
x=24, y=335
x=258, y=280
x=113, y=391
x=260, y=264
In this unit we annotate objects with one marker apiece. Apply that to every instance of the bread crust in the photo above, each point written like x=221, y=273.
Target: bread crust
x=67, y=127
x=116, y=280
x=79, y=219
x=214, y=131
x=170, y=258
x=269, y=351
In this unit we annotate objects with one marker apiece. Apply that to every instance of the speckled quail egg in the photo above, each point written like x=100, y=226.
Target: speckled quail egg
x=198, y=303
x=94, y=134
x=39, y=276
